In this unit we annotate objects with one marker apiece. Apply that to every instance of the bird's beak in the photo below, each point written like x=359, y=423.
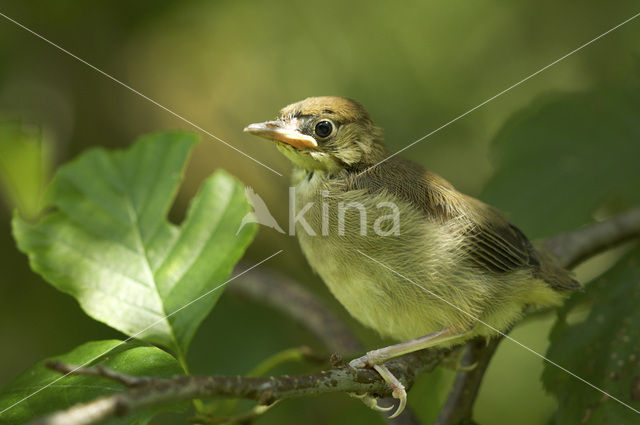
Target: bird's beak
x=274, y=130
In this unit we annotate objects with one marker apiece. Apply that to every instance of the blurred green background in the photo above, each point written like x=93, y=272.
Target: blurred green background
x=224, y=64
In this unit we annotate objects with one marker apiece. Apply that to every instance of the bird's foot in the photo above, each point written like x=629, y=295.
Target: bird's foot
x=466, y=368
x=360, y=362
x=397, y=389
x=371, y=402
x=457, y=366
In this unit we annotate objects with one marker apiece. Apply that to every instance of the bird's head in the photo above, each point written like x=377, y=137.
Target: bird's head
x=325, y=133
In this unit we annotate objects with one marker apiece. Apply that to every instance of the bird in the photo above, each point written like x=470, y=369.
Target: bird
x=400, y=248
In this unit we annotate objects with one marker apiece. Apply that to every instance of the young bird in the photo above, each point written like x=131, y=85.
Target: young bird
x=441, y=269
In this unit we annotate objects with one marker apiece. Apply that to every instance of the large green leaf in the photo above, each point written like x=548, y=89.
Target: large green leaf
x=130, y=358
x=108, y=242
x=604, y=349
x=564, y=156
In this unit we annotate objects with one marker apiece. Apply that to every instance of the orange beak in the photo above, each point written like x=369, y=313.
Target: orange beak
x=274, y=130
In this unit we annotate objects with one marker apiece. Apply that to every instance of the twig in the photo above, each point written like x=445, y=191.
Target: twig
x=574, y=247
x=459, y=405
x=128, y=381
x=287, y=296
x=569, y=249
x=284, y=294
x=146, y=392
x=149, y=392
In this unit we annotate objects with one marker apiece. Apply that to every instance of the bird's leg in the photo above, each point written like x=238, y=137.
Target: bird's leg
x=381, y=355
x=375, y=359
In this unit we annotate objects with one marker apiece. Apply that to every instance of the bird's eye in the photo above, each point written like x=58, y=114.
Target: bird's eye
x=324, y=129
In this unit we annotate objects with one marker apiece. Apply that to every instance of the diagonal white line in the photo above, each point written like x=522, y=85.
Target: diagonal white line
x=501, y=333
x=175, y=114
x=504, y=91
x=138, y=333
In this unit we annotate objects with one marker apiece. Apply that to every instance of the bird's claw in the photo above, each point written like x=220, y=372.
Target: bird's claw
x=457, y=366
x=371, y=402
x=397, y=389
x=466, y=368
x=401, y=395
x=360, y=362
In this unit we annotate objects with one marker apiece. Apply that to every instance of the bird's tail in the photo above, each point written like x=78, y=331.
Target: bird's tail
x=554, y=274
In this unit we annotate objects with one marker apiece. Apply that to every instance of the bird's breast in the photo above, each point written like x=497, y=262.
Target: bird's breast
x=338, y=228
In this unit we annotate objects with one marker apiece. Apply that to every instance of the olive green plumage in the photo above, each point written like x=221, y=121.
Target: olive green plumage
x=450, y=244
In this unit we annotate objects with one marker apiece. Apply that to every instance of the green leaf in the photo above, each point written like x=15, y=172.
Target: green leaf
x=564, y=156
x=24, y=167
x=108, y=242
x=130, y=358
x=604, y=349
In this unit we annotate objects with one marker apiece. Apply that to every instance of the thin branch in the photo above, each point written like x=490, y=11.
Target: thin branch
x=283, y=294
x=147, y=392
x=128, y=381
x=574, y=247
x=459, y=405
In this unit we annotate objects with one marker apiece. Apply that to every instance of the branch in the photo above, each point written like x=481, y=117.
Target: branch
x=459, y=405
x=128, y=381
x=574, y=247
x=282, y=293
x=570, y=249
x=147, y=391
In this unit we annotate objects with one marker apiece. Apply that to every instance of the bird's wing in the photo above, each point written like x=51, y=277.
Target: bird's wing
x=498, y=245
x=490, y=241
